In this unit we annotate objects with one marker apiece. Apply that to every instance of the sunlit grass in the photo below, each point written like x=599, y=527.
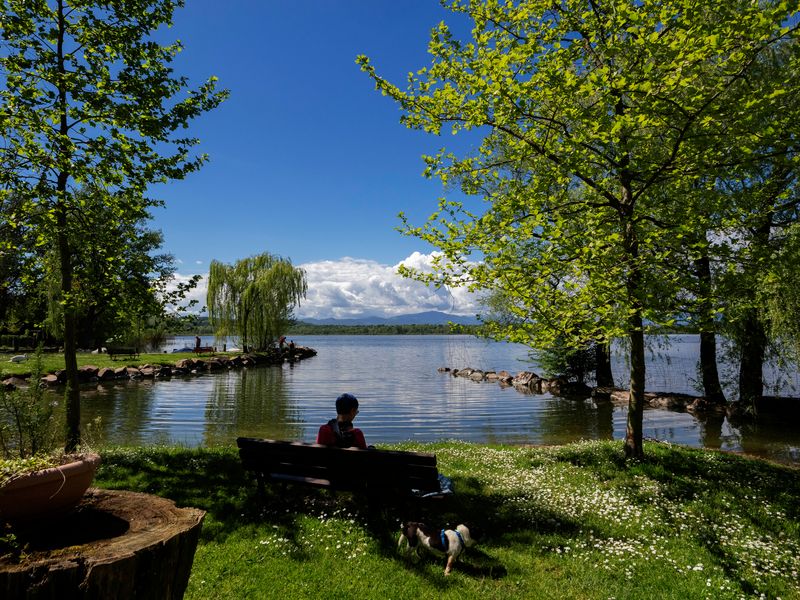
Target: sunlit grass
x=52, y=362
x=563, y=522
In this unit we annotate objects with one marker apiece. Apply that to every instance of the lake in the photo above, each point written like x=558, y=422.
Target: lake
x=403, y=397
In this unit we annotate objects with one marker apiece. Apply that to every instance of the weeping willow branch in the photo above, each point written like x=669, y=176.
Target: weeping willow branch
x=254, y=298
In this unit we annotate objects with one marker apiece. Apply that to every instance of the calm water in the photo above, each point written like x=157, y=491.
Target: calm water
x=403, y=397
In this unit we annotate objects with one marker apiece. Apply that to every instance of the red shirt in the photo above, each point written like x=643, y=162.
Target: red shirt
x=327, y=437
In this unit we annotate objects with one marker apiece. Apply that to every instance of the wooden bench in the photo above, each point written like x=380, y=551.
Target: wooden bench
x=203, y=349
x=376, y=473
x=120, y=351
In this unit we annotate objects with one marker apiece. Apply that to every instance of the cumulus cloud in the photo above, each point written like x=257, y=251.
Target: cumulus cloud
x=356, y=287
x=198, y=293
x=353, y=287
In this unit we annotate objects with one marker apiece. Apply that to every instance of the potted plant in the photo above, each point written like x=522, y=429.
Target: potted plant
x=36, y=480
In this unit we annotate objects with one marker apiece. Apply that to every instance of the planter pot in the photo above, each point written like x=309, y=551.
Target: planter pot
x=114, y=544
x=47, y=492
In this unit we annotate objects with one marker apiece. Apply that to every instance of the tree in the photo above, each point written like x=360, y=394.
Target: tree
x=254, y=298
x=590, y=111
x=120, y=281
x=22, y=301
x=560, y=359
x=760, y=274
x=89, y=98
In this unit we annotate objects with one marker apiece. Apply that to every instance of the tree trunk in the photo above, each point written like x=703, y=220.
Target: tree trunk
x=633, y=286
x=708, y=341
x=115, y=544
x=72, y=397
x=633, y=433
x=603, y=375
x=753, y=348
x=708, y=368
x=754, y=336
x=72, y=393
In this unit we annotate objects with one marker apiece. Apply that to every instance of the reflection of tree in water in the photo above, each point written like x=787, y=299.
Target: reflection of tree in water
x=571, y=419
x=711, y=429
x=252, y=403
x=125, y=409
x=776, y=437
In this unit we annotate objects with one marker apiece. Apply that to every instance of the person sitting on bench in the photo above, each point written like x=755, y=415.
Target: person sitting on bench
x=340, y=432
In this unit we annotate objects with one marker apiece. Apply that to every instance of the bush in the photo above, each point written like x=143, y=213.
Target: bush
x=27, y=423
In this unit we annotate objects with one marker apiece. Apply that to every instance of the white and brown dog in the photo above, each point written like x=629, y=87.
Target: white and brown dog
x=439, y=542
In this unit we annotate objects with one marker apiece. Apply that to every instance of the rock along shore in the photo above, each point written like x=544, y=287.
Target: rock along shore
x=528, y=382
x=183, y=367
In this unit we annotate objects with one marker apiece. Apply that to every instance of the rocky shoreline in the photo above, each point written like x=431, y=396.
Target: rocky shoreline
x=184, y=367
x=527, y=382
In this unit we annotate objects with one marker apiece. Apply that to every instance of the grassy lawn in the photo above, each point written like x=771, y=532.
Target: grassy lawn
x=564, y=522
x=52, y=362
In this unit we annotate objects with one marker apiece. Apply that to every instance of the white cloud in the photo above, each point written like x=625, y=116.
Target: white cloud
x=198, y=293
x=354, y=287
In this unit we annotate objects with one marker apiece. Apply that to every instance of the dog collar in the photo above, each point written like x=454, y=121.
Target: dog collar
x=443, y=537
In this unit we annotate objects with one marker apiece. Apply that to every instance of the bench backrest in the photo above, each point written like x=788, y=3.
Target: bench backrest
x=382, y=471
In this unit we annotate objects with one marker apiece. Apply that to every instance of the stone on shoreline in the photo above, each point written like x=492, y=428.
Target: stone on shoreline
x=185, y=366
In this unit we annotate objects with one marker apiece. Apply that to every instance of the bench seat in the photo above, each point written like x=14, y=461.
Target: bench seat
x=122, y=351
x=384, y=473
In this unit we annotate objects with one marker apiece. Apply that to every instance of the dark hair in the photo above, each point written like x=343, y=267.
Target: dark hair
x=346, y=403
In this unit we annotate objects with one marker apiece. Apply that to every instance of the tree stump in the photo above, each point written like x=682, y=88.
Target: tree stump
x=114, y=544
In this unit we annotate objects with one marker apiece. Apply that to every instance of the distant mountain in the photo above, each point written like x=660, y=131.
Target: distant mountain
x=432, y=317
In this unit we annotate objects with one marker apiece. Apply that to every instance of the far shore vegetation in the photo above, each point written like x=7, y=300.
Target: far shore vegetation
x=201, y=326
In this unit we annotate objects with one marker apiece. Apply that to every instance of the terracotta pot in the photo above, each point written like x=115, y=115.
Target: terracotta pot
x=49, y=491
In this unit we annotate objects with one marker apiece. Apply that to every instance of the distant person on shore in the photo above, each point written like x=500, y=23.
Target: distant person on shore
x=281, y=342
x=197, y=342
x=340, y=432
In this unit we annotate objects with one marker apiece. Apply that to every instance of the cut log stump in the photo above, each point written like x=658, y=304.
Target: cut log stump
x=114, y=544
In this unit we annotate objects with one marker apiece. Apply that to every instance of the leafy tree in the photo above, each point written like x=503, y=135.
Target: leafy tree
x=120, y=280
x=760, y=272
x=781, y=294
x=22, y=301
x=752, y=208
x=254, y=298
x=89, y=98
x=559, y=359
x=589, y=113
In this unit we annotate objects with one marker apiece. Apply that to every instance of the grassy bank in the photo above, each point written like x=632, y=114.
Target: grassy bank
x=564, y=522
x=52, y=362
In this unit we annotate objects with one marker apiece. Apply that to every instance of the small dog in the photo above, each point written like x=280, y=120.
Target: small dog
x=439, y=542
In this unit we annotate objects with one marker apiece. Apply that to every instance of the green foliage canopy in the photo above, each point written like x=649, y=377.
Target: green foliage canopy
x=594, y=116
x=89, y=98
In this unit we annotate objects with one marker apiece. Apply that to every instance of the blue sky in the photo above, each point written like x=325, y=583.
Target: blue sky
x=307, y=160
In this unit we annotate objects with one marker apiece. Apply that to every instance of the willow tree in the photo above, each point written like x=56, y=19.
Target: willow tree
x=254, y=298
x=589, y=111
x=89, y=98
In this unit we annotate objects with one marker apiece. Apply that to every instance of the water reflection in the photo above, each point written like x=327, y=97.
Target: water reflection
x=571, y=419
x=254, y=403
x=403, y=397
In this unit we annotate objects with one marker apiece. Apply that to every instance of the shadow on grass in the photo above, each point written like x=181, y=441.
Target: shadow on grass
x=213, y=480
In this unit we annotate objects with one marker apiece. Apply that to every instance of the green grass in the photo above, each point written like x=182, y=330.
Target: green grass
x=562, y=522
x=52, y=362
